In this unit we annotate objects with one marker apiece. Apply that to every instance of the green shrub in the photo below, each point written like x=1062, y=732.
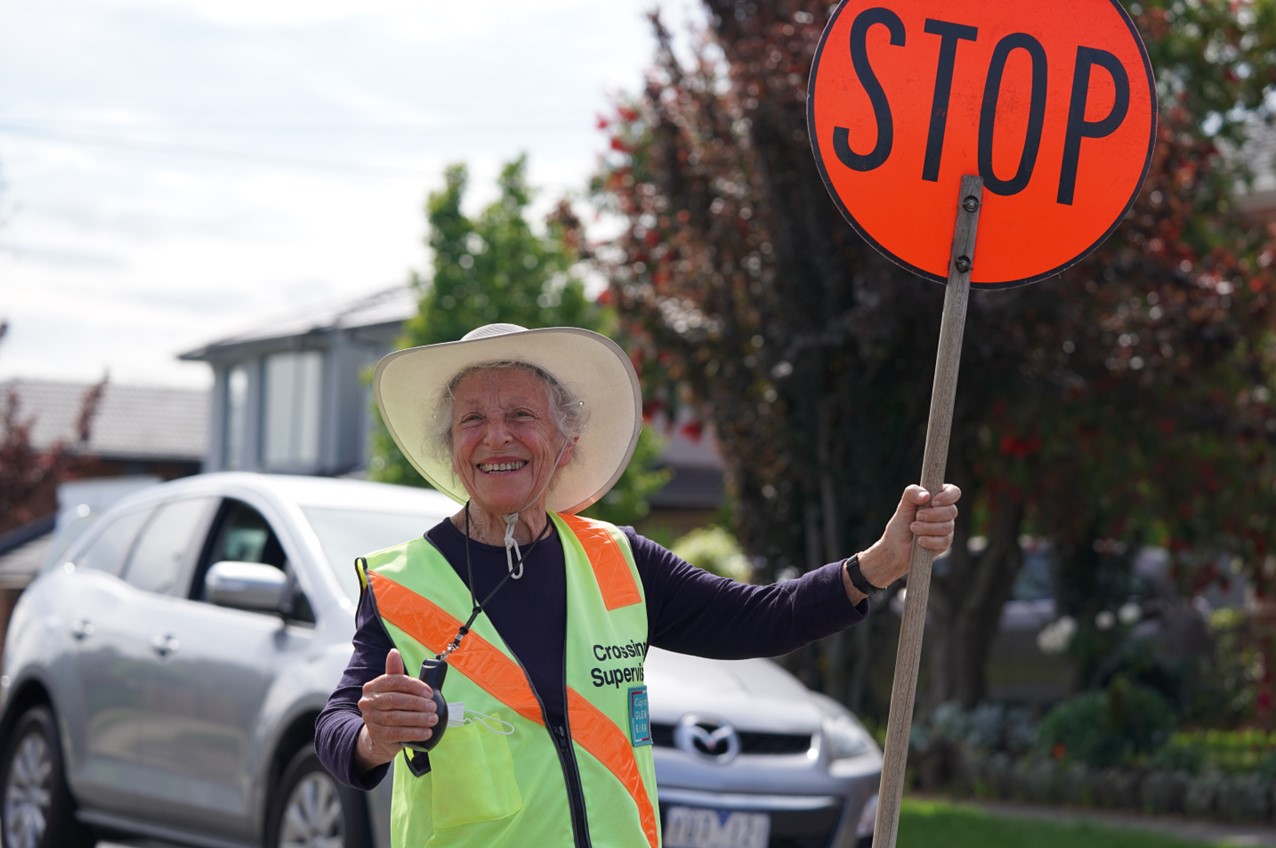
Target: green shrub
x=1138, y=661
x=1232, y=751
x=986, y=727
x=1117, y=788
x=1078, y=784
x=1243, y=797
x=1178, y=756
x=714, y=549
x=1226, y=694
x=1077, y=730
x=1039, y=780
x=1163, y=792
x=1202, y=792
x=1104, y=729
x=990, y=775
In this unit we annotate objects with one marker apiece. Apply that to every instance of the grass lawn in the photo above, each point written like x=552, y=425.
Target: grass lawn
x=926, y=824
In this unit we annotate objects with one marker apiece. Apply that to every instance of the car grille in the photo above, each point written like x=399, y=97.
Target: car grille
x=750, y=742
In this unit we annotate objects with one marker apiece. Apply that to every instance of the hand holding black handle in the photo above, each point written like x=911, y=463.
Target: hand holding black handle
x=433, y=672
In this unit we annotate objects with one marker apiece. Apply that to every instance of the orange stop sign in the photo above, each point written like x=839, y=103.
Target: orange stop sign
x=1053, y=104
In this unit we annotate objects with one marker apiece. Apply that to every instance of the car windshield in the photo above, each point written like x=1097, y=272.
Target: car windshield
x=346, y=534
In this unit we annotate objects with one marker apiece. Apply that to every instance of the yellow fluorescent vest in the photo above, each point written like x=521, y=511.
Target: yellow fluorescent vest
x=489, y=790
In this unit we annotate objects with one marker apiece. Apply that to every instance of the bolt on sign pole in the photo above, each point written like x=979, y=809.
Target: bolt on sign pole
x=1039, y=119
x=943, y=395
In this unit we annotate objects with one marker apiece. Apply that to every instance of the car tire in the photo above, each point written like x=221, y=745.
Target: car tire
x=311, y=805
x=38, y=810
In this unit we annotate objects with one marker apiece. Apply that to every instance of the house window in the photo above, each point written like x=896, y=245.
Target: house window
x=236, y=417
x=291, y=403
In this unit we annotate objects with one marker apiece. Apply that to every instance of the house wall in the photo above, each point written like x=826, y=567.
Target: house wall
x=345, y=405
x=348, y=401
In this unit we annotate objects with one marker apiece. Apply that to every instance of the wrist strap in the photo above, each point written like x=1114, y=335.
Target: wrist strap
x=858, y=580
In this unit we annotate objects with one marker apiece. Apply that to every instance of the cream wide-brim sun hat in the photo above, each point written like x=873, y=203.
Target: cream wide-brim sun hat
x=408, y=385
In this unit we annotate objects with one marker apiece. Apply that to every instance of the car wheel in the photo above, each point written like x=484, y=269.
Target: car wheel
x=38, y=809
x=312, y=809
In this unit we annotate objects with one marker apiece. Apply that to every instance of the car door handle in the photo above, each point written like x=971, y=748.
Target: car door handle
x=165, y=645
x=82, y=629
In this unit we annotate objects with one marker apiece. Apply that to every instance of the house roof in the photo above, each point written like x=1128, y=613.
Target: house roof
x=132, y=422
x=384, y=309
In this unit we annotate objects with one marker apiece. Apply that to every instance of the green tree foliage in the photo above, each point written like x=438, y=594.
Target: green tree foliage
x=494, y=267
x=1129, y=398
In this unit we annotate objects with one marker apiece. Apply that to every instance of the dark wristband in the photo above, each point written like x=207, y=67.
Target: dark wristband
x=858, y=580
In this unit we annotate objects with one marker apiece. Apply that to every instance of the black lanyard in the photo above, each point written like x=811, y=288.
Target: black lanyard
x=469, y=570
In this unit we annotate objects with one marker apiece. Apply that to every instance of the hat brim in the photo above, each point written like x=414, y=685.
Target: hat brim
x=408, y=385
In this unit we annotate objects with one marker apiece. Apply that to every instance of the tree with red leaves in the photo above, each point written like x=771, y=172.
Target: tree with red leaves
x=1129, y=398
x=29, y=475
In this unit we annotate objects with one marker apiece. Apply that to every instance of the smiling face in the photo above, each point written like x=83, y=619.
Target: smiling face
x=506, y=445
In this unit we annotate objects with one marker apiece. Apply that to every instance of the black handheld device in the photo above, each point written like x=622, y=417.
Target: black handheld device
x=433, y=672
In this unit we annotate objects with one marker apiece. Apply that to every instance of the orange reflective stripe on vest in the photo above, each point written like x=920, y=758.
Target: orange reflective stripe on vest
x=481, y=661
x=489, y=668
x=610, y=746
x=615, y=580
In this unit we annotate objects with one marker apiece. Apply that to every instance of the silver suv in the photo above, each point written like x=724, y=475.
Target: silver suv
x=162, y=678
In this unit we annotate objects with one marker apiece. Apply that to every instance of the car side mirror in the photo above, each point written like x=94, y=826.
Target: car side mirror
x=247, y=585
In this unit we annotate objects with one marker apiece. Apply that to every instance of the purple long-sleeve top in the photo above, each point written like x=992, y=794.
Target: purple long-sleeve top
x=689, y=610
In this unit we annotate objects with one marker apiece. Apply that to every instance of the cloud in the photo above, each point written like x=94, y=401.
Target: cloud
x=175, y=170
x=63, y=257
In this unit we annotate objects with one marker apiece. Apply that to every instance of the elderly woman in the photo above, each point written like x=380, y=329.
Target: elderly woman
x=542, y=618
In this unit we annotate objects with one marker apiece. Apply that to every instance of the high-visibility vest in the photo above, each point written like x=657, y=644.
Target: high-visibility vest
x=489, y=790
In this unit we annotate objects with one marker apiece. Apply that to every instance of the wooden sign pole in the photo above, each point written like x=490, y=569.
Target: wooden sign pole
x=943, y=393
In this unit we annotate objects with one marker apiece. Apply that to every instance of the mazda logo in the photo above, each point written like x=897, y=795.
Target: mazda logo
x=707, y=737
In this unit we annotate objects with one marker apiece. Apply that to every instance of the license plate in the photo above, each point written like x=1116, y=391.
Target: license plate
x=696, y=827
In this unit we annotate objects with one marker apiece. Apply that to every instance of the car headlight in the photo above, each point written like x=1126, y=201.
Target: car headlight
x=845, y=736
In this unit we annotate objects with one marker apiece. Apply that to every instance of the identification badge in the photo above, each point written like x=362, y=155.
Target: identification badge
x=639, y=717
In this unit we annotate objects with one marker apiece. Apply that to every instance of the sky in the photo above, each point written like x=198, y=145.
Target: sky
x=175, y=171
